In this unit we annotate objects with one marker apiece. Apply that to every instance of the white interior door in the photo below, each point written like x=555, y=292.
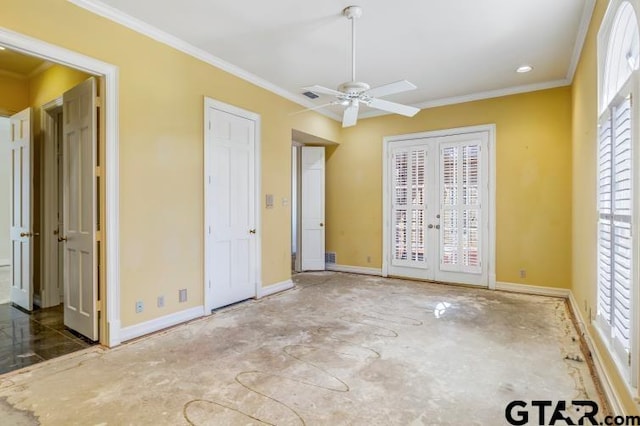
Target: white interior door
x=21, y=141
x=312, y=197
x=231, y=199
x=79, y=212
x=438, y=198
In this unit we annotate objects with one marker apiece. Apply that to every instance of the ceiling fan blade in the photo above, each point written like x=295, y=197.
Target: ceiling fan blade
x=350, y=116
x=394, y=107
x=390, y=89
x=315, y=108
x=323, y=90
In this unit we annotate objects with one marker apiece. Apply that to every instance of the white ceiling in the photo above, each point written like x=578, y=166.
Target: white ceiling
x=452, y=50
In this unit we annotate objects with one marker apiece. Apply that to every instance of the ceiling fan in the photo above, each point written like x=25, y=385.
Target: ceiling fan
x=354, y=93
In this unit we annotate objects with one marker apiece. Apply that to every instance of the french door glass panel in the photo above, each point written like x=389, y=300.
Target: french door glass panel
x=438, y=226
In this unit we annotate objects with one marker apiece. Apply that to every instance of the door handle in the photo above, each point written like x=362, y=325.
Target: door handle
x=61, y=239
x=322, y=224
x=252, y=231
x=29, y=234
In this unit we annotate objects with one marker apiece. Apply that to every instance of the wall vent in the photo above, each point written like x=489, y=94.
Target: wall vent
x=330, y=257
x=311, y=95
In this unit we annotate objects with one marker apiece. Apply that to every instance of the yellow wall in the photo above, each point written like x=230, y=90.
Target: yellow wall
x=533, y=184
x=161, y=146
x=14, y=95
x=584, y=216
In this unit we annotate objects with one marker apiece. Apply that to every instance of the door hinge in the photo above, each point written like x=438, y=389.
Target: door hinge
x=629, y=359
x=99, y=305
x=98, y=171
x=98, y=236
x=98, y=101
x=209, y=124
x=209, y=180
x=209, y=283
x=209, y=230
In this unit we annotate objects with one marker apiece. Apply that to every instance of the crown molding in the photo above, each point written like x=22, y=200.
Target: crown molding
x=40, y=69
x=480, y=96
x=99, y=8
x=581, y=37
x=13, y=75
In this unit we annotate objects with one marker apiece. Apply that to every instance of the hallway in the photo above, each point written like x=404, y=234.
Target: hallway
x=27, y=339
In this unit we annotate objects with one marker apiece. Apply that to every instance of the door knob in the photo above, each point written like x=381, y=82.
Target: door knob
x=322, y=224
x=430, y=226
x=252, y=231
x=437, y=226
x=60, y=239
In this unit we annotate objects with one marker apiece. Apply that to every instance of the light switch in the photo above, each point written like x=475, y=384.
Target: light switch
x=269, y=201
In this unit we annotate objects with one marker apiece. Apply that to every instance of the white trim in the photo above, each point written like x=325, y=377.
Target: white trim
x=109, y=73
x=275, y=288
x=354, y=269
x=231, y=109
x=581, y=37
x=141, y=27
x=605, y=380
x=533, y=289
x=157, y=324
x=99, y=8
x=479, y=96
x=492, y=145
x=5, y=262
x=40, y=69
x=13, y=75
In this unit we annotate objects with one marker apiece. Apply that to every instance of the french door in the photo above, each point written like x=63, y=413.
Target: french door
x=437, y=208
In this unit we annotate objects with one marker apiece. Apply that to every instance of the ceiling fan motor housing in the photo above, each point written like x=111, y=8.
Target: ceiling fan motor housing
x=353, y=88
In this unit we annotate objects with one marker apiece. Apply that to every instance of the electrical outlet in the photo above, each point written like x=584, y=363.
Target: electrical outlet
x=160, y=301
x=139, y=306
x=523, y=273
x=182, y=295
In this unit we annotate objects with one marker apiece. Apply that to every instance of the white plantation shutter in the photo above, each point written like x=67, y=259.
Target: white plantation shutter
x=615, y=249
x=461, y=209
x=409, y=206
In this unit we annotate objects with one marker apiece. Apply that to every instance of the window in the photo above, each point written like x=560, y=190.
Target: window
x=617, y=253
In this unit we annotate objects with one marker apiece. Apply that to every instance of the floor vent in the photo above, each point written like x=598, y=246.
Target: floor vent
x=330, y=257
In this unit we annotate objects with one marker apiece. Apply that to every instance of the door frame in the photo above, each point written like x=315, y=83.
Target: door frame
x=386, y=196
x=208, y=273
x=109, y=235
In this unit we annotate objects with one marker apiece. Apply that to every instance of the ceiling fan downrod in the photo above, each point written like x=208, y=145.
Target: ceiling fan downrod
x=353, y=13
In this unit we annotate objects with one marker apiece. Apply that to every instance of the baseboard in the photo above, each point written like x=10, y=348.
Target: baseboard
x=607, y=385
x=5, y=262
x=3, y=301
x=533, y=289
x=148, y=327
x=275, y=288
x=353, y=269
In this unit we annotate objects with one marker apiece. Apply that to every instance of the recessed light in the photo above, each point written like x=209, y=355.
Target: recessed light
x=2, y=48
x=524, y=68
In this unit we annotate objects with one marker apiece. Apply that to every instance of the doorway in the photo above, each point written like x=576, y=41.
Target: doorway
x=308, y=207
x=107, y=278
x=438, y=214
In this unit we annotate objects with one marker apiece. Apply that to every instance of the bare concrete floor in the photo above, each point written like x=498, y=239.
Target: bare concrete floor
x=337, y=349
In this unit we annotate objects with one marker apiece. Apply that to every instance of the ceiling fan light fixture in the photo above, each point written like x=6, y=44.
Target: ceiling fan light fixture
x=523, y=69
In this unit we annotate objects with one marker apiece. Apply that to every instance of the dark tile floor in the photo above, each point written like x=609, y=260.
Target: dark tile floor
x=29, y=338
